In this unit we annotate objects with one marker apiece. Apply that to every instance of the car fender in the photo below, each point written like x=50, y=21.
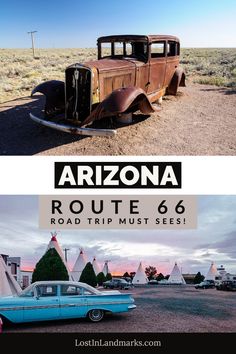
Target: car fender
x=54, y=92
x=177, y=80
x=11, y=316
x=102, y=308
x=120, y=101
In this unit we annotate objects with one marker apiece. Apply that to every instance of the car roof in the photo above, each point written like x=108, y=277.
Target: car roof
x=60, y=282
x=126, y=37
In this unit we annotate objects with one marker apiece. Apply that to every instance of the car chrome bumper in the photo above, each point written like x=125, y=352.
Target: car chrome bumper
x=72, y=129
x=132, y=307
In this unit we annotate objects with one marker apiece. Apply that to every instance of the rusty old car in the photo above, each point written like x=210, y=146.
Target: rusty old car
x=131, y=73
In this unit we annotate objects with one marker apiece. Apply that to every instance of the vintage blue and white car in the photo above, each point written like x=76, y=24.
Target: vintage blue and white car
x=55, y=300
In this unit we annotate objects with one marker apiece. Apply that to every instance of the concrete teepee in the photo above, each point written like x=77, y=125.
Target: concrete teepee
x=140, y=276
x=79, y=265
x=54, y=244
x=212, y=272
x=96, y=267
x=176, y=276
x=105, y=268
x=8, y=284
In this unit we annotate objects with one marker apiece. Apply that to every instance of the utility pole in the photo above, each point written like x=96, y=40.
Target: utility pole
x=66, y=250
x=32, y=40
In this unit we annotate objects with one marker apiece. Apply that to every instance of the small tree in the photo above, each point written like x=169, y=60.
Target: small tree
x=198, y=278
x=150, y=272
x=126, y=275
x=160, y=277
x=50, y=267
x=101, y=278
x=167, y=276
x=108, y=276
x=88, y=275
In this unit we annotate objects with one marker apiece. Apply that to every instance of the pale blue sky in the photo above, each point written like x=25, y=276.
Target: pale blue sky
x=194, y=250
x=77, y=23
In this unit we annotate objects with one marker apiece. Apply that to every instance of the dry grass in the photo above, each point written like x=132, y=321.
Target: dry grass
x=210, y=66
x=19, y=72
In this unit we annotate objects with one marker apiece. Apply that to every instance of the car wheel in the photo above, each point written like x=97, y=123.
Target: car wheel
x=96, y=315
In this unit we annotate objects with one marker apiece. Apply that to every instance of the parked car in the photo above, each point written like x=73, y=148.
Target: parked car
x=227, y=285
x=117, y=284
x=131, y=73
x=206, y=284
x=56, y=300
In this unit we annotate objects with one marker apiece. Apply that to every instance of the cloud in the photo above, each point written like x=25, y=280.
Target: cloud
x=226, y=245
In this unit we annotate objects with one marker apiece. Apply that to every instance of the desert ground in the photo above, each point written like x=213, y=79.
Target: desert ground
x=159, y=309
x=200, y=120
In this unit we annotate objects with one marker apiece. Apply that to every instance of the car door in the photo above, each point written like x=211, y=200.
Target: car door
x=139, y=51
x=157, y=66
x=73, y=302
x=44, y=305
x=172, y=60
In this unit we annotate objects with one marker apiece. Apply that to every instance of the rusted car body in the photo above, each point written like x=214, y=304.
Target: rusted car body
x=131, y=73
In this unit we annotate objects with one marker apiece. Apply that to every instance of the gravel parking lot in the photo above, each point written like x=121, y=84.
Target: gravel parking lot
x=159, y=309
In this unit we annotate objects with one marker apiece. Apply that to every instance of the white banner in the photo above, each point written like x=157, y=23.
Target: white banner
x=200, y=175
x=118, y=212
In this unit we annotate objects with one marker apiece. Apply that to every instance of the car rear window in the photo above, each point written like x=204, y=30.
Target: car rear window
x=67, y=290
x=172, y=48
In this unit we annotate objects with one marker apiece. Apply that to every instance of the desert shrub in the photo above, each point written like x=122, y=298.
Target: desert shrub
x=8, y=88
x=31, y=74
x=233, y=72
x=212, y=80
x=231, y=84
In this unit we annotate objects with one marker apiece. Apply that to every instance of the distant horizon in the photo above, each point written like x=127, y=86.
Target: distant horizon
x=24, y=48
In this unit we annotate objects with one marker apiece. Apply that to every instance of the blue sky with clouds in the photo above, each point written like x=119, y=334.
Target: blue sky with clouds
x=77, y=23
x=194, y=250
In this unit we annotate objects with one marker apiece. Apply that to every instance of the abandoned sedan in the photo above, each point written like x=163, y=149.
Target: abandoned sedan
x=55, y=300
x=131, y=73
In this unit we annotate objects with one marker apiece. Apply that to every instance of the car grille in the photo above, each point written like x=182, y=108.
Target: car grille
x=78, y=92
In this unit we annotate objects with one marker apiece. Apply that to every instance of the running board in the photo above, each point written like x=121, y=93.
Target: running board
x=72, y=129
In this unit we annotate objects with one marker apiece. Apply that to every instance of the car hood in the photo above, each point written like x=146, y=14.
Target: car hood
x=110, y=64
x=9, y=300
x=8, y=297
